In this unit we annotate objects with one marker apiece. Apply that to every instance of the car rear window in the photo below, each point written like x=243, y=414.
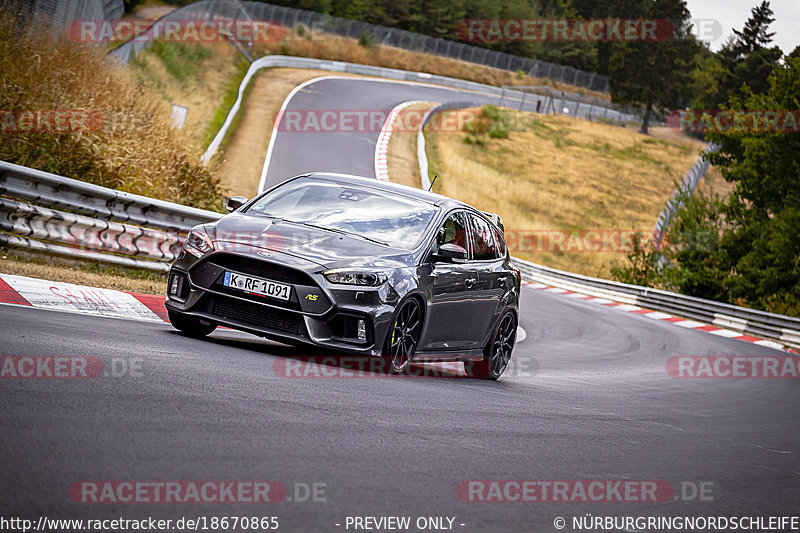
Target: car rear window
x=393, y=219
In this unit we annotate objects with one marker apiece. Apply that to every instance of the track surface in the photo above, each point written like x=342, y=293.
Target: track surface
x=589, y=398
x=294, y=152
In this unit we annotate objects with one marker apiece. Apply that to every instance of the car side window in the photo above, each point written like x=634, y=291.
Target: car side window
x=501, y=242
x=453, y=231
x=483, y=246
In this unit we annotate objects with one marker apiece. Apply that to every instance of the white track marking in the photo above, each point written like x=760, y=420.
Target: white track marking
x=381, y=159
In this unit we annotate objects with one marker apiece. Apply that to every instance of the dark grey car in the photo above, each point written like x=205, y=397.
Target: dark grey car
x=354, y=264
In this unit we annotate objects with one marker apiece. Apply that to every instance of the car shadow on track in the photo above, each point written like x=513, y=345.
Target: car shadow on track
x=315, y=362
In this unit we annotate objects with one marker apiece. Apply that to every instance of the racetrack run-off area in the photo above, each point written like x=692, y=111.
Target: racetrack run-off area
x=590, y=396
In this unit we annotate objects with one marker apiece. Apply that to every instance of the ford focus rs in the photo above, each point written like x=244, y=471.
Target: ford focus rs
x=358, y=265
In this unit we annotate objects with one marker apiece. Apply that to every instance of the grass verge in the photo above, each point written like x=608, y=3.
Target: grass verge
x=35, y=265
x=118, y=132
x=242, y=159
x=554, y=179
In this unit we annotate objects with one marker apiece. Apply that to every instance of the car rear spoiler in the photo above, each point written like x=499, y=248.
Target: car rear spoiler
x=496, y=220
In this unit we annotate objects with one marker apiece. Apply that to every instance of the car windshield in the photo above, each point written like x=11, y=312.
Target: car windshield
x=395, y=220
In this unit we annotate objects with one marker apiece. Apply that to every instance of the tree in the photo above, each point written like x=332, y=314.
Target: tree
x=746, y=60
x=656, y=75
x=745, y=250
x=755, y=34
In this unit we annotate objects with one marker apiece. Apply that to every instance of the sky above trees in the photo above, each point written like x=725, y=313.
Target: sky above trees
x=733, y=13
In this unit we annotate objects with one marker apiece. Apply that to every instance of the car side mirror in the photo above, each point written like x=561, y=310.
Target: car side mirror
x=450, y=252
x=235, y=202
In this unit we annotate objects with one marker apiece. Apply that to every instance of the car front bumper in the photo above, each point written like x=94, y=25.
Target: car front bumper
x=317, y=313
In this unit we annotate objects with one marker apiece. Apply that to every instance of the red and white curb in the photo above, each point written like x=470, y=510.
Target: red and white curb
x=60, y=296
x=110, y=303
x=658, y=315
x=382, y=146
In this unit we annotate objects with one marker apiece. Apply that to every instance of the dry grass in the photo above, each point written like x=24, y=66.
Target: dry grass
x=136, y=149
x=35, y=266
x=335, y=48
x=201, y=93
x=241, y=161
x=565, y=175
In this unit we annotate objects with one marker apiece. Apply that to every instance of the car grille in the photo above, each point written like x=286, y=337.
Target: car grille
x=261, y=269
x=256, y=315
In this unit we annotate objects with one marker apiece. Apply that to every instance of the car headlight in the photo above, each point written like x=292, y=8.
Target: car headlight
x=368, y=278
x=198, y=243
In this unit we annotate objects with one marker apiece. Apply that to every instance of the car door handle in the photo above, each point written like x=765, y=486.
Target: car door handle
x=470, y=282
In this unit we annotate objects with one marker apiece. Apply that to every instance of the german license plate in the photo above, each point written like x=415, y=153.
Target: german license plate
x=258, y=286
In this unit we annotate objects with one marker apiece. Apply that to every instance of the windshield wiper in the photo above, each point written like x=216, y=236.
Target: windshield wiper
x=261, y=214
x=337, y=230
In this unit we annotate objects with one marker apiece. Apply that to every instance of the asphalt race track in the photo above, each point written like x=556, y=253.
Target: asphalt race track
x=352, y=151
x=588, y=398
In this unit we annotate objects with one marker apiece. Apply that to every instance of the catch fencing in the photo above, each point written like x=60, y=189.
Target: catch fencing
x=320, y=24
x=61, y=13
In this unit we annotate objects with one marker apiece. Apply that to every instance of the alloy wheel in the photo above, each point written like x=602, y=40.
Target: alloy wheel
x=404, y=335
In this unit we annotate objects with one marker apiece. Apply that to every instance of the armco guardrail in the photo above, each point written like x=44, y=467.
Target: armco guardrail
x=778, y=328
x=686, y=187
x=321, y=24
x=108, y=235
x=509, y=96
x=97, y=223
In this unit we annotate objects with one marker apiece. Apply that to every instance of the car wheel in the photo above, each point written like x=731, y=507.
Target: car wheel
x=401, y=342
x=189, y=325
x=497, y=354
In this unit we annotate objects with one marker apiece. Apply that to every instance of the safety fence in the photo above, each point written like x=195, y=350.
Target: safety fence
x=318, y=24
x=87, y=221
x=61, y=13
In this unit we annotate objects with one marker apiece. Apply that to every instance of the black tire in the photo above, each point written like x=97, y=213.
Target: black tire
x=189, y=325
x=497, y=354
x=403, y=337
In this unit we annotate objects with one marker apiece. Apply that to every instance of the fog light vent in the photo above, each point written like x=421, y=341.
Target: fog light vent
x=173, y=289
x=362, y=330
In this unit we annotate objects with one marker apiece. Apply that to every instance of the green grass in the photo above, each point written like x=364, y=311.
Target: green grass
x=182, y=61
x=225, y=105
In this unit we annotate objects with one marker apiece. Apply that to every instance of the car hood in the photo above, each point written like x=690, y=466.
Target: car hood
x=326, y=248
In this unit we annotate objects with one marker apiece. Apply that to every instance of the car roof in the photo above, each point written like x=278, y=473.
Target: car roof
x=396, y=188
